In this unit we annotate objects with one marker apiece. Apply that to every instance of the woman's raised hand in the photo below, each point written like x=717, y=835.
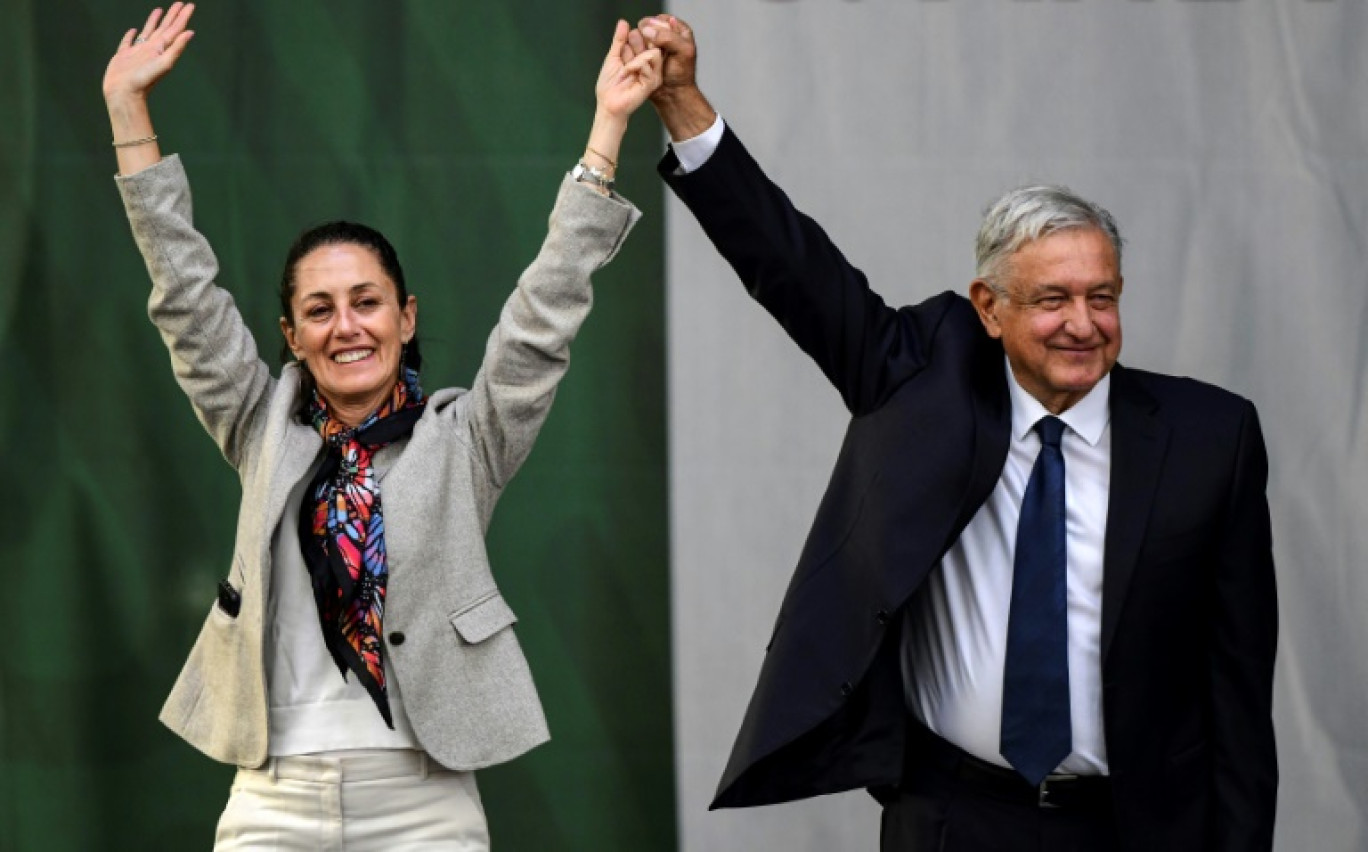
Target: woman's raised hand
x=625, y=81
x=624, y=85
x=145, y=56
x=142, y=59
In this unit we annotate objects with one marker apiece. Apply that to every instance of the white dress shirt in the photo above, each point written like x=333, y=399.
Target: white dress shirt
x=694, y=152
x=955, y=628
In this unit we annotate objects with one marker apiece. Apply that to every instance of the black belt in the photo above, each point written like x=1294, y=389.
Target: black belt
x=1081, y=792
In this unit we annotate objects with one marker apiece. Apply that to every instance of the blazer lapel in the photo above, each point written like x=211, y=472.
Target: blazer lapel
x=295, y=455
x=1139, y=440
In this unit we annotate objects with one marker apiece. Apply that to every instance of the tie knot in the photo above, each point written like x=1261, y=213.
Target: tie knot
x=1051, y=429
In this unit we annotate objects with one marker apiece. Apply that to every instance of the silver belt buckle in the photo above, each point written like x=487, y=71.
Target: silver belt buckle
x=1043, y=789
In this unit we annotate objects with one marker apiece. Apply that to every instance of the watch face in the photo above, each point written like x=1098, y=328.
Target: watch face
x=584, y=173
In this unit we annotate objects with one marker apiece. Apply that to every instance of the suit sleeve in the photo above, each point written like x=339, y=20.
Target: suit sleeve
x=213, y=354
x=1243, y=649
x=790, y=266
x=528, y=352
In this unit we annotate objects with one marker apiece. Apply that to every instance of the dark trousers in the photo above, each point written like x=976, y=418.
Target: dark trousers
x=950, y=801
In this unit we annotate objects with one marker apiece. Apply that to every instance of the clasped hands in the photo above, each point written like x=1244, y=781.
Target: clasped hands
x=680, y=104
x=674, y=39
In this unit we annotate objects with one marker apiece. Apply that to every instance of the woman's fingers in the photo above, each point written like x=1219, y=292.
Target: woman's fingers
x=613, y=58
x=619, y=38
x=169, y=18
x=161, y=30
x=640, y=77
x=643, y=62
x=177, y=47
x=151, y=25
x=176, y=20
x=173, y=51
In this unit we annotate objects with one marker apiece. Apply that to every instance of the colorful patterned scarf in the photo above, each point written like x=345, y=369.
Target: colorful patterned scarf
x=342, y=534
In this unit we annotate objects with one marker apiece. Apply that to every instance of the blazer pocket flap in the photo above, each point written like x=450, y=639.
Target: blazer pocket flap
x=483, y=619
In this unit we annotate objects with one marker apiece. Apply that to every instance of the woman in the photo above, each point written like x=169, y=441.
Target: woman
x=359, y=662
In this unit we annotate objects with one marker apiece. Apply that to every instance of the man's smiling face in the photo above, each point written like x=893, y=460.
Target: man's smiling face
x=1059, y=319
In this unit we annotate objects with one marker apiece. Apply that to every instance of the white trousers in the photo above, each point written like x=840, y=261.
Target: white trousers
x=393, y=800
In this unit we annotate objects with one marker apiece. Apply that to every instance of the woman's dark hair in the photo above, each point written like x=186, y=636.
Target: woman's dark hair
x=345, y=233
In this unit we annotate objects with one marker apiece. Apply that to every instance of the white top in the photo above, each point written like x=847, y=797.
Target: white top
x=312, y=708
x=955, y=631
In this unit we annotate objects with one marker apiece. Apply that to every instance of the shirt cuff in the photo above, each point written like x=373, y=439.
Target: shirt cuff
x=693, y=153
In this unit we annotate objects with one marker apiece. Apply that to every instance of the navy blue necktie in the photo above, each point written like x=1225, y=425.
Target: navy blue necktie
x=1036, y=729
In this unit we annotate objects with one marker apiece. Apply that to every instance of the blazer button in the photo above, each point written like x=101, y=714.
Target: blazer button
x=396, y=638
x=846, y=688
x=881, y=616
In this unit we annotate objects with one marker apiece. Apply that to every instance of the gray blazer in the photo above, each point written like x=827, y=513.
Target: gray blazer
x=466, y=684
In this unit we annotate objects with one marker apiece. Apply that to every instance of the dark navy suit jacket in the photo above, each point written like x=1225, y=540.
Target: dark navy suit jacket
x=1189, y=615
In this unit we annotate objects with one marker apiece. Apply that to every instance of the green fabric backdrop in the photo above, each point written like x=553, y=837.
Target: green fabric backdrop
x=446, y=125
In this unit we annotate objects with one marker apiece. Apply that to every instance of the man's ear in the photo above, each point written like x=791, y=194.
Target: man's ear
x=290, y=341
x=987, y=302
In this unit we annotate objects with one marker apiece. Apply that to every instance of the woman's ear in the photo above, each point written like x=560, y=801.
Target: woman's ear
x=290, y=340
x=409, y=324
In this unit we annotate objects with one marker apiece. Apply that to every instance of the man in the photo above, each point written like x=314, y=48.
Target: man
x=1036, y=608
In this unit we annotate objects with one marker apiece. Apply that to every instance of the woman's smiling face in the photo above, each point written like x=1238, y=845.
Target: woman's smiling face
x=348, y=326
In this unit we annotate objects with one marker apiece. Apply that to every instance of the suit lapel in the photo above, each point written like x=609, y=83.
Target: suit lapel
x=1139, y=440
x=992, y=436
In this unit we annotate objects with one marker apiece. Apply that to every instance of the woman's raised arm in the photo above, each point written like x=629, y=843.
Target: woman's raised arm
x=143, y=58
x=213, y=354
x=529, y=349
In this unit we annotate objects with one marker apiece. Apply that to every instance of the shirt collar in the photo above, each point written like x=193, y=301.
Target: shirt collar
x=1087, y=418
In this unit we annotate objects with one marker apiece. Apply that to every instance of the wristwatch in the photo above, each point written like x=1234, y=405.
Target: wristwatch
x=589, y=174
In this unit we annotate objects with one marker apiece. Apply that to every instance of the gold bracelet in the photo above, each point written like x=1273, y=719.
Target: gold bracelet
x=607, y=159
x=130, y=143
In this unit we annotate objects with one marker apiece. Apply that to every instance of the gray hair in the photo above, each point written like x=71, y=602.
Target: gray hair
x=1029, y=213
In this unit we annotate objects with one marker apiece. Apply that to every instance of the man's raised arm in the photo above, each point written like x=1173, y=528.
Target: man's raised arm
x=784, y=258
